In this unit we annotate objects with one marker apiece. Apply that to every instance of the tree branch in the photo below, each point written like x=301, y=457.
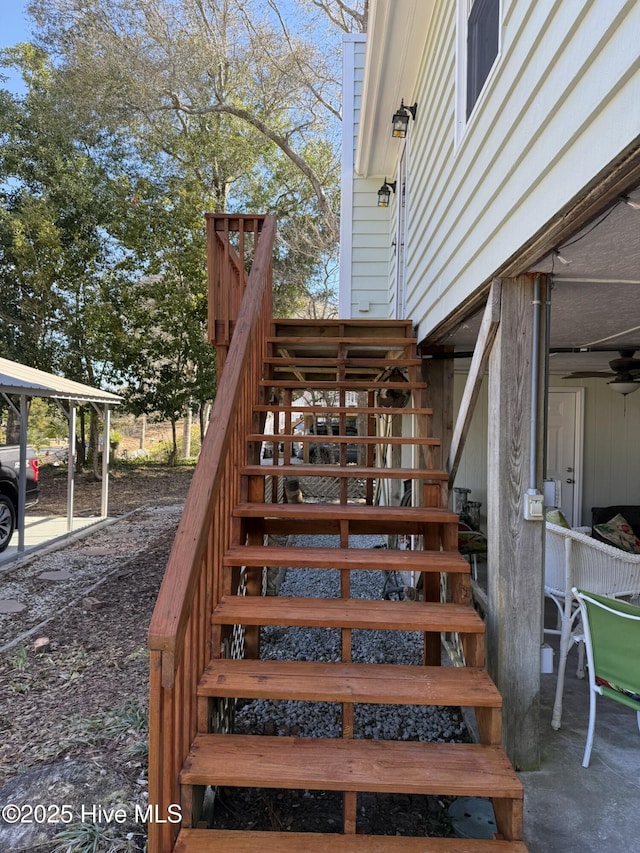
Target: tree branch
x=279, y=140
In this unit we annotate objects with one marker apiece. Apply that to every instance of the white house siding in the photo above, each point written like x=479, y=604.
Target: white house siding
x=611, y=465
x=561, y=103
x=365, y=244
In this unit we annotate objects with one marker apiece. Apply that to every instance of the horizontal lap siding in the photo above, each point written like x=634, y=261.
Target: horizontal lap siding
x=370, y=252
x=370, y=230
x=562, y=103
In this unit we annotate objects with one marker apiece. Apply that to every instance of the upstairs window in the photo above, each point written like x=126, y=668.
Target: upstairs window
x=483, y=26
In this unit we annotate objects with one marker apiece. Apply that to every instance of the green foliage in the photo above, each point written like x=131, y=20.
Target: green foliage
x=46, y=422
x=54, y=212
x=242, y=98
x=83, y=252
x=137, y=118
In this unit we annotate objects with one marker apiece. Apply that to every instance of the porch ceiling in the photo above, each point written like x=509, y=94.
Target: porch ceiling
x=595, y=301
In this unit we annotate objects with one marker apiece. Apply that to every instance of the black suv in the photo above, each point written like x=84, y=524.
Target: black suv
x=9, y=478
x=328, y=452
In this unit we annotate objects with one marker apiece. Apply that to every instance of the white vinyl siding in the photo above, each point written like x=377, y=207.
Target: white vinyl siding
x=562, y=101
x=365, y=244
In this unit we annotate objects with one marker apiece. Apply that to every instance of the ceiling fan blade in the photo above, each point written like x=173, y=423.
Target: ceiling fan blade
x=594, y=374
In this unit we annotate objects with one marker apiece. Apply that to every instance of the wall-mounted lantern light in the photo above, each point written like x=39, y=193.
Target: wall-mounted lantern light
x=384, y=193
x=400, y=121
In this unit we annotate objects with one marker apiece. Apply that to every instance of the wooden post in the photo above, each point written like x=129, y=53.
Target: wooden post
x=438, y=374
x=515, y=546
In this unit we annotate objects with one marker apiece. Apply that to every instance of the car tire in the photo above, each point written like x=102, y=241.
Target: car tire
x=7, y=521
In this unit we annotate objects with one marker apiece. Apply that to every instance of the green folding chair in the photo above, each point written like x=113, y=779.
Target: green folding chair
x=612, y=638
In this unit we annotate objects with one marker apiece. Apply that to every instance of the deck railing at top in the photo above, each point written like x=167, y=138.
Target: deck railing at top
x=230, y=241
x=180, y=634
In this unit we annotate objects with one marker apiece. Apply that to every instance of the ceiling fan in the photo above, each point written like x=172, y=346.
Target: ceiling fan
x=624, y=376
x=395, y=397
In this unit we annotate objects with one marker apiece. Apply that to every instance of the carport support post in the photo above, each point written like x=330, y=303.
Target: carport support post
x=22, y=475
x=515, y=546
x=72, y=462
x=106, y=448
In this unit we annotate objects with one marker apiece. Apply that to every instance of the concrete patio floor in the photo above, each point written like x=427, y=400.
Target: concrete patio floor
x=572, y=809
x=44, y=531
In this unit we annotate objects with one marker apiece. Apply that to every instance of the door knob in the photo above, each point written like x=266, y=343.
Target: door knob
x=569, y=480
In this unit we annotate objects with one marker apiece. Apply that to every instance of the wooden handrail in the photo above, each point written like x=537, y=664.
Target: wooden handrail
x=180, y=630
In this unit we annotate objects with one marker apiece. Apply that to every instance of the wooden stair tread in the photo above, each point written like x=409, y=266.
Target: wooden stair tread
x=376, y=343
x=365, y=559
x=308, y=438
x=346, y=471
x=284, y=360
x=352, y=512
x=347, y=613
x=239, y=841
x=346, y=384
x=343, y=323
x=344, y=764
x=312, y=681
x=378, y=512
x=347, y=410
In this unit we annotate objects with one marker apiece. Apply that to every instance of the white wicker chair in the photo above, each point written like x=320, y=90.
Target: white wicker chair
x=574, y=559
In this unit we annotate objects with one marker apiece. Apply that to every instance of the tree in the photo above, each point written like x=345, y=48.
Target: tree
x=54, y=212
x=261, y=81
x=53, y=207
x=150, y=113
x=157, y=303
x=166, y=368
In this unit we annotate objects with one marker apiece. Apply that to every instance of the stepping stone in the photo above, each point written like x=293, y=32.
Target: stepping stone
x=61, y=575
x=11, y=605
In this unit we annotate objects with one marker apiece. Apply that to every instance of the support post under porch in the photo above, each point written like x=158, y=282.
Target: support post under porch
x=515, y=546
x=438, y=374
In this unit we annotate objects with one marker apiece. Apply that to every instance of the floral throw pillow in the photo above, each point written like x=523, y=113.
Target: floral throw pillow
x=629, y=693
x=619, y=532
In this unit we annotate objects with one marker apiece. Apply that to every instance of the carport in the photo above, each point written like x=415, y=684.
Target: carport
x=24, y=383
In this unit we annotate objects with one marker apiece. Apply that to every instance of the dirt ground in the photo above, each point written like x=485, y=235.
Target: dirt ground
x=130, y=487
x=73, y=718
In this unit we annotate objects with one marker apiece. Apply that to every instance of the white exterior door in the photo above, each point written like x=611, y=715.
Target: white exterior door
x=564, y=449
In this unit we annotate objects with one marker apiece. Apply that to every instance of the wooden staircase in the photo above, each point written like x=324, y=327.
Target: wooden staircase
x=341, y=368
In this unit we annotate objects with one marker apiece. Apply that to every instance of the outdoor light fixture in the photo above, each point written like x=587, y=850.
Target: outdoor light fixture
x=561, y=258
x=384, y=193
x=400, y=120
x=624, y=384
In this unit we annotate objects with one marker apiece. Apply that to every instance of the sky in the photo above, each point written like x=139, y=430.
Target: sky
x=13, y=28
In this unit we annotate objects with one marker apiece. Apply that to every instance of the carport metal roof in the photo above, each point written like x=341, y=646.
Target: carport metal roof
x=19, y=379
x=25, y=382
